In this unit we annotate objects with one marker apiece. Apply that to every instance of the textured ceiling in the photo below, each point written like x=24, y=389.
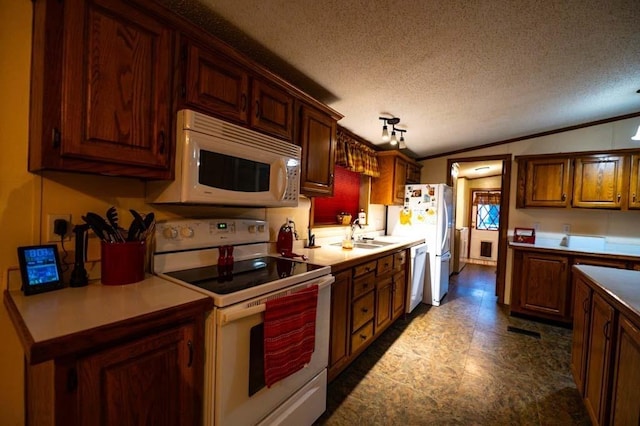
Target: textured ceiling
x=458, y=73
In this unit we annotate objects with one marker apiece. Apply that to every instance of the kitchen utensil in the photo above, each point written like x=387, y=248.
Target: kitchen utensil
x=137, y=226
x=112, y=217
x=290, y=255
x=98, y=226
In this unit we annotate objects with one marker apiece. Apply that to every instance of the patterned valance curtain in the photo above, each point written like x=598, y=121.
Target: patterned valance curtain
x=355, y=155
x=486, y=197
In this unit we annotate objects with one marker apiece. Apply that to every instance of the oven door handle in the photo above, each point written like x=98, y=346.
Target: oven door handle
x=227, y=317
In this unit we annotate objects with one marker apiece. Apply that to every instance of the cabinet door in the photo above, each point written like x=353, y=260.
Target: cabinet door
x=116, y=84
x=634, y=182
x=625, y=395
x=413, y=173
x=399, y=293
x=340, y=331
x=544, y=285
x=598, y=182
x=272, y=110
x=547, y=182
x=318, y=142
x=384, y=307
x=216, y=85
x=581, y=315
x=598, y=359
x=399, y=180
x=149, y=381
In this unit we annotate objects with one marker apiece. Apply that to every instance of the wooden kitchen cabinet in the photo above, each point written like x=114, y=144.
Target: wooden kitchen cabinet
x=101, y=89
x=634, y=182
x=598, y=181
x=215, y=84
x=366, y=299
x=272, y=109
x=388, y=189
x=581, y=322
x=339, y=324
x=146, y=381
x=413, y=172
x=544, y=182
x=625, y=393
x=599, y=350
x=541, y=286
x=318, y=141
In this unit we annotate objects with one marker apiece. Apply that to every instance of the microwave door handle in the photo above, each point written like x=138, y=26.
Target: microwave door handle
x=282, y=179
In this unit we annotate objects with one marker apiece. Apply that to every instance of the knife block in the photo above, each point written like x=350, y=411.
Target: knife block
x=122, y=263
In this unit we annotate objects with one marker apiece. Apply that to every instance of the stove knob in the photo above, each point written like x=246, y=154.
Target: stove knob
x=260, y=228
x=252, y=229
x=170, y=233
x=186, y=232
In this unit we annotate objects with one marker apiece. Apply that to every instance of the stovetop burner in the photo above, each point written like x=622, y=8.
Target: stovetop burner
x=242, y=274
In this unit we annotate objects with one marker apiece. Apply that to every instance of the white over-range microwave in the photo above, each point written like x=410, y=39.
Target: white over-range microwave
x=224, y=164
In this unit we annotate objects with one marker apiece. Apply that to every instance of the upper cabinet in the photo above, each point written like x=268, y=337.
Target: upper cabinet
x=108, y=77
x=215, y=84
x=602, y=180
x=634, y=182
x=394, y=166
x=546, y=182
x=101, y=89
x=318, y=141
x=272, y=109
x=598, y=181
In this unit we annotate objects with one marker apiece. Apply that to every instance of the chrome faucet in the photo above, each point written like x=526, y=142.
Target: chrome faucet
x=353, y=227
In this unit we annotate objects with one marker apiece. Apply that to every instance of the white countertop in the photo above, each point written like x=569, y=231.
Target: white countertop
x=330, y=255
x=72, y=310
x=622, y=284
x=582, y=244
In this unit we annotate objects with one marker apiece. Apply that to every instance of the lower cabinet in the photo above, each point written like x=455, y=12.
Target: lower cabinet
x=605, y=355
x=155, y=380
x=365, y=300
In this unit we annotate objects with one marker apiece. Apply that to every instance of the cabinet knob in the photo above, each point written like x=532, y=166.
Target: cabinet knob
x=605, y=329
x=243, y=102
x=161, y=142
x=634, y=197
x=618, y=197
x=585, y=305
x=190, y=346
x=564, y=197
x=363, y=336
x=365, y=310
x=365, y=285
x=257, y=109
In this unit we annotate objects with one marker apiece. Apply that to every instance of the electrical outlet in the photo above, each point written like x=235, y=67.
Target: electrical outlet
x=566, y=228
x=536, y=226
x=51, y=236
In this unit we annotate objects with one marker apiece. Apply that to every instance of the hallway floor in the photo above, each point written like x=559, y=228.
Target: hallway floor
x=457, y=364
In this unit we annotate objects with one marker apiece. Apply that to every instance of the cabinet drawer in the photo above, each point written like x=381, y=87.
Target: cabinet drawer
x=362, y=311
x=385, y=264
x=399, y=260
x=382, y=283
x=364, y=268
x=361, y=336
x=363, y=284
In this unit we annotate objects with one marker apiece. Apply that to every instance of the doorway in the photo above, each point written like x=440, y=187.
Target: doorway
x=471, y=169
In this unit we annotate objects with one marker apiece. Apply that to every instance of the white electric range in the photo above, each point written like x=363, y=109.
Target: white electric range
x=188, y=253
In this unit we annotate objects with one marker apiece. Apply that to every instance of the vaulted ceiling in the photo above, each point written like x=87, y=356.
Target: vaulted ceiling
x=458, y=74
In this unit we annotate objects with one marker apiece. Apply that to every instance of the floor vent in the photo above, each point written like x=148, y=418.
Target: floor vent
x=523, y=331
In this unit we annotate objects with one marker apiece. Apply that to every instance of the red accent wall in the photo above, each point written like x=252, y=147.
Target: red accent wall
x=345, y=200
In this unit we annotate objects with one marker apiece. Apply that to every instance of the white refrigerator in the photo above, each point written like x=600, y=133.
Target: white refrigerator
x=428, y=211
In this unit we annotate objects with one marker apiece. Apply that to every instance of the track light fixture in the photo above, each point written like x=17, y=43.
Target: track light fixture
x=393, y=138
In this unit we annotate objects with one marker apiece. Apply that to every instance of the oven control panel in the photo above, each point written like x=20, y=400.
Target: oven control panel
x=189, y=234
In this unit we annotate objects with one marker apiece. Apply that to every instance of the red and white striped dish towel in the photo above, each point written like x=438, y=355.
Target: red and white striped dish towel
x=289, y=333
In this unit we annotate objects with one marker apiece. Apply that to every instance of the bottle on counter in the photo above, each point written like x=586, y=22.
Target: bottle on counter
x=362, y=217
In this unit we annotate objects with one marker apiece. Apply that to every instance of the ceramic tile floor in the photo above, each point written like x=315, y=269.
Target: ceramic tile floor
x=457, y=364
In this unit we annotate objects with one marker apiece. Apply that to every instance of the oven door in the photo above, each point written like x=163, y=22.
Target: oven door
x=241, y=398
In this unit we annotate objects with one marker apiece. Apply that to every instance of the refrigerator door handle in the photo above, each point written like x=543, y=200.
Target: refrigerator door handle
x=445, y=234
x=445, y=256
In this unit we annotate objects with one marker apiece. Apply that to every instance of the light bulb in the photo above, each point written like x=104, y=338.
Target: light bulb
x=636, y=137
x=402, y=144
x=385, y=133
x=394, y=139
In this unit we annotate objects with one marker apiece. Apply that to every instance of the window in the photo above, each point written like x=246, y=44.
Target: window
x=487, y=210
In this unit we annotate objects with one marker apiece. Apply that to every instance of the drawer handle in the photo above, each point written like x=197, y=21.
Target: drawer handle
x=365, y=285
x=365, y=310
x=363, y=336
x=366, y=268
